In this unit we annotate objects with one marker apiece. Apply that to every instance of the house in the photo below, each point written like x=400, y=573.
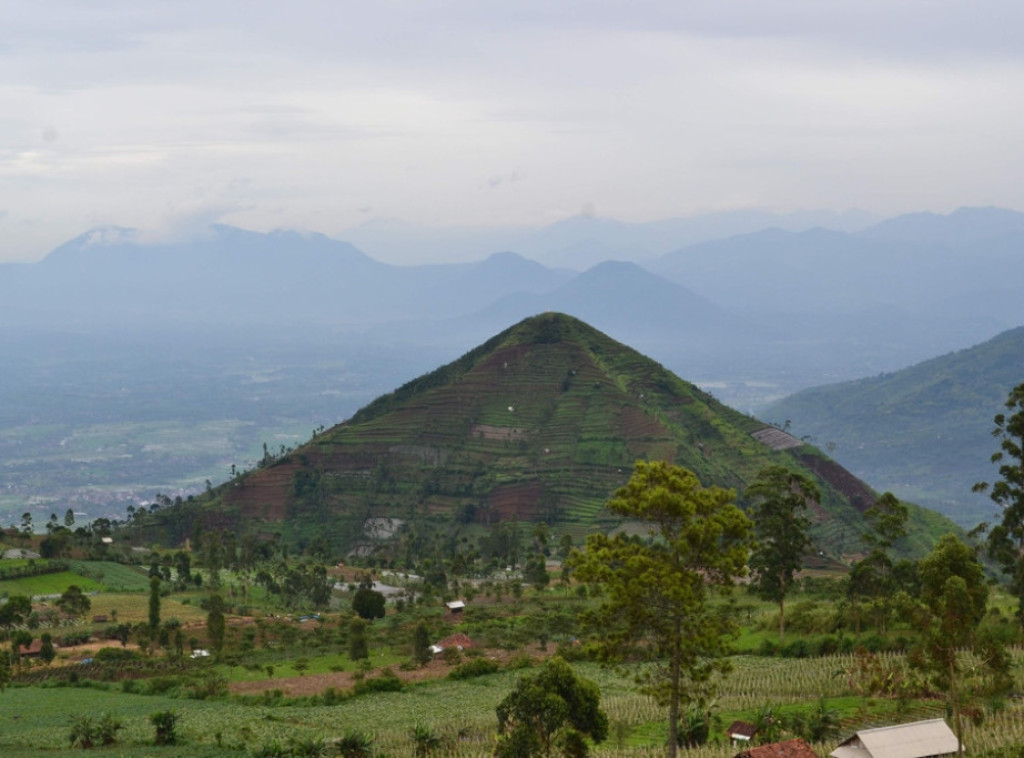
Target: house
x=741, y=731
x=789, y=749
x=455, y=606
x=920, y=739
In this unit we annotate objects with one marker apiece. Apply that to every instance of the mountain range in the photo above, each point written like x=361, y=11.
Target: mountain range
x=270, y=335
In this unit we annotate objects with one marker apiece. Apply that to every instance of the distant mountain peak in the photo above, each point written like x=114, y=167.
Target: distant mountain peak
x=962, y=225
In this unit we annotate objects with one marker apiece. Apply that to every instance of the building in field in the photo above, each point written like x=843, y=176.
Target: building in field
x=920, y=739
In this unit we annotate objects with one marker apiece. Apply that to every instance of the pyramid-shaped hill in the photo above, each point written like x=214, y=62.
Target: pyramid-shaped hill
x=540, y=423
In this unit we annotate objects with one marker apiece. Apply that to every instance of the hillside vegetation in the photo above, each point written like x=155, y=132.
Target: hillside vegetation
x=924, y=432
x=541, y=423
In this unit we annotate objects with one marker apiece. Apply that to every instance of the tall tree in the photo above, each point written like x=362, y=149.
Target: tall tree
x=887, y=522
x=550, y=713
x=955, y=594
x=358, y=647
x=421, y=644
x=1006, y=540
x=154, y=602
x=780, y=498
x=657, y=592
x=215, y=622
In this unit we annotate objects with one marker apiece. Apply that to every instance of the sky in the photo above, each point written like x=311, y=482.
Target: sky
x=170, y=115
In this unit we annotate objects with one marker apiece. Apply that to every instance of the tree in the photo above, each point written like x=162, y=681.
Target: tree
x=46, y=649
x=550, y=713
x=215, y=622
x=74, y=602
x=657, y=593
x=1006, y=540
x=781, y=529
x=955, y=596
x=369, y=604
x=536, y=571
x=5, y=669
x=358, y=648
x=421, y=644
x=887, y=521
x=16, y=610
x=154, y=602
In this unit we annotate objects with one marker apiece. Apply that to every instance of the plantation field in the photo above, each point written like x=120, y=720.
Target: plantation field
x=48, y=584
x=134, y=608
x=35, y=719
x=115, y=577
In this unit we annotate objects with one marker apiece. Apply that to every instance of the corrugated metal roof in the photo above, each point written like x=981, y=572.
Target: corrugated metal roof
x=920, y=739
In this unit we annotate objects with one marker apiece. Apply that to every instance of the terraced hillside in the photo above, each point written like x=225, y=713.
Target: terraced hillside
x=541, y=423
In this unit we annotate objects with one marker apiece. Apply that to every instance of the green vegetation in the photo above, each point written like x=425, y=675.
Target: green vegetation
x=922, y=432
x=303, y=688
x=657, y=594
x=782, y=532
x=552, y=712
x=1006, y=539
x=284, y=639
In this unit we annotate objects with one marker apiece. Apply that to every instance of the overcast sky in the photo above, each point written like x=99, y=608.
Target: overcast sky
x=170, y=115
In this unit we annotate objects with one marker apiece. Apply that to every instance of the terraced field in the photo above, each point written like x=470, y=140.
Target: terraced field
x=543, y=422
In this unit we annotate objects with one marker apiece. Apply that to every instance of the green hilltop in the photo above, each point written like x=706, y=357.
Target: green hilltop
x=541, y=423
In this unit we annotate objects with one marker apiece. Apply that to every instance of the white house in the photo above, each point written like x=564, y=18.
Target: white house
x=920, y=739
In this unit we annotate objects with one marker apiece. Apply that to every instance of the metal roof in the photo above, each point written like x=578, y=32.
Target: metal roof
x=920, y=739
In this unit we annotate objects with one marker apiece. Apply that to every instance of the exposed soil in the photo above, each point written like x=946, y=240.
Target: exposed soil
x=859, y=494
x=264, y=496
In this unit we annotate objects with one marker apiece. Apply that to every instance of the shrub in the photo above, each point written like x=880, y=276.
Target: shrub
x=474, y=668
x=386, y=682
x=354, y=745
x=112, y=654
x=85, y=733
x=164, y=723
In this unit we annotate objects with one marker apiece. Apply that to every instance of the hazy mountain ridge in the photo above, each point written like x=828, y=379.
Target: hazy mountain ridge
x=751, y=318
x=923, y=432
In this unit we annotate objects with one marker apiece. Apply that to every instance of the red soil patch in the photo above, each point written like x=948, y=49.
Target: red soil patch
x=634, y=424
x=520, y=500
x=859, y=494
x=265, y=494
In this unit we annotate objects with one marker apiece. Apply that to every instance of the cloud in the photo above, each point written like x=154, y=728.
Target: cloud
x=168, y=116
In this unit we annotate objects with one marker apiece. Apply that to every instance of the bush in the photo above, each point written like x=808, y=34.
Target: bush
x=86, y=734
x=114, y=654
x=74, y=638
x=386, y=682
x=354, y=745
x=474, y=668
x=164, y=723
